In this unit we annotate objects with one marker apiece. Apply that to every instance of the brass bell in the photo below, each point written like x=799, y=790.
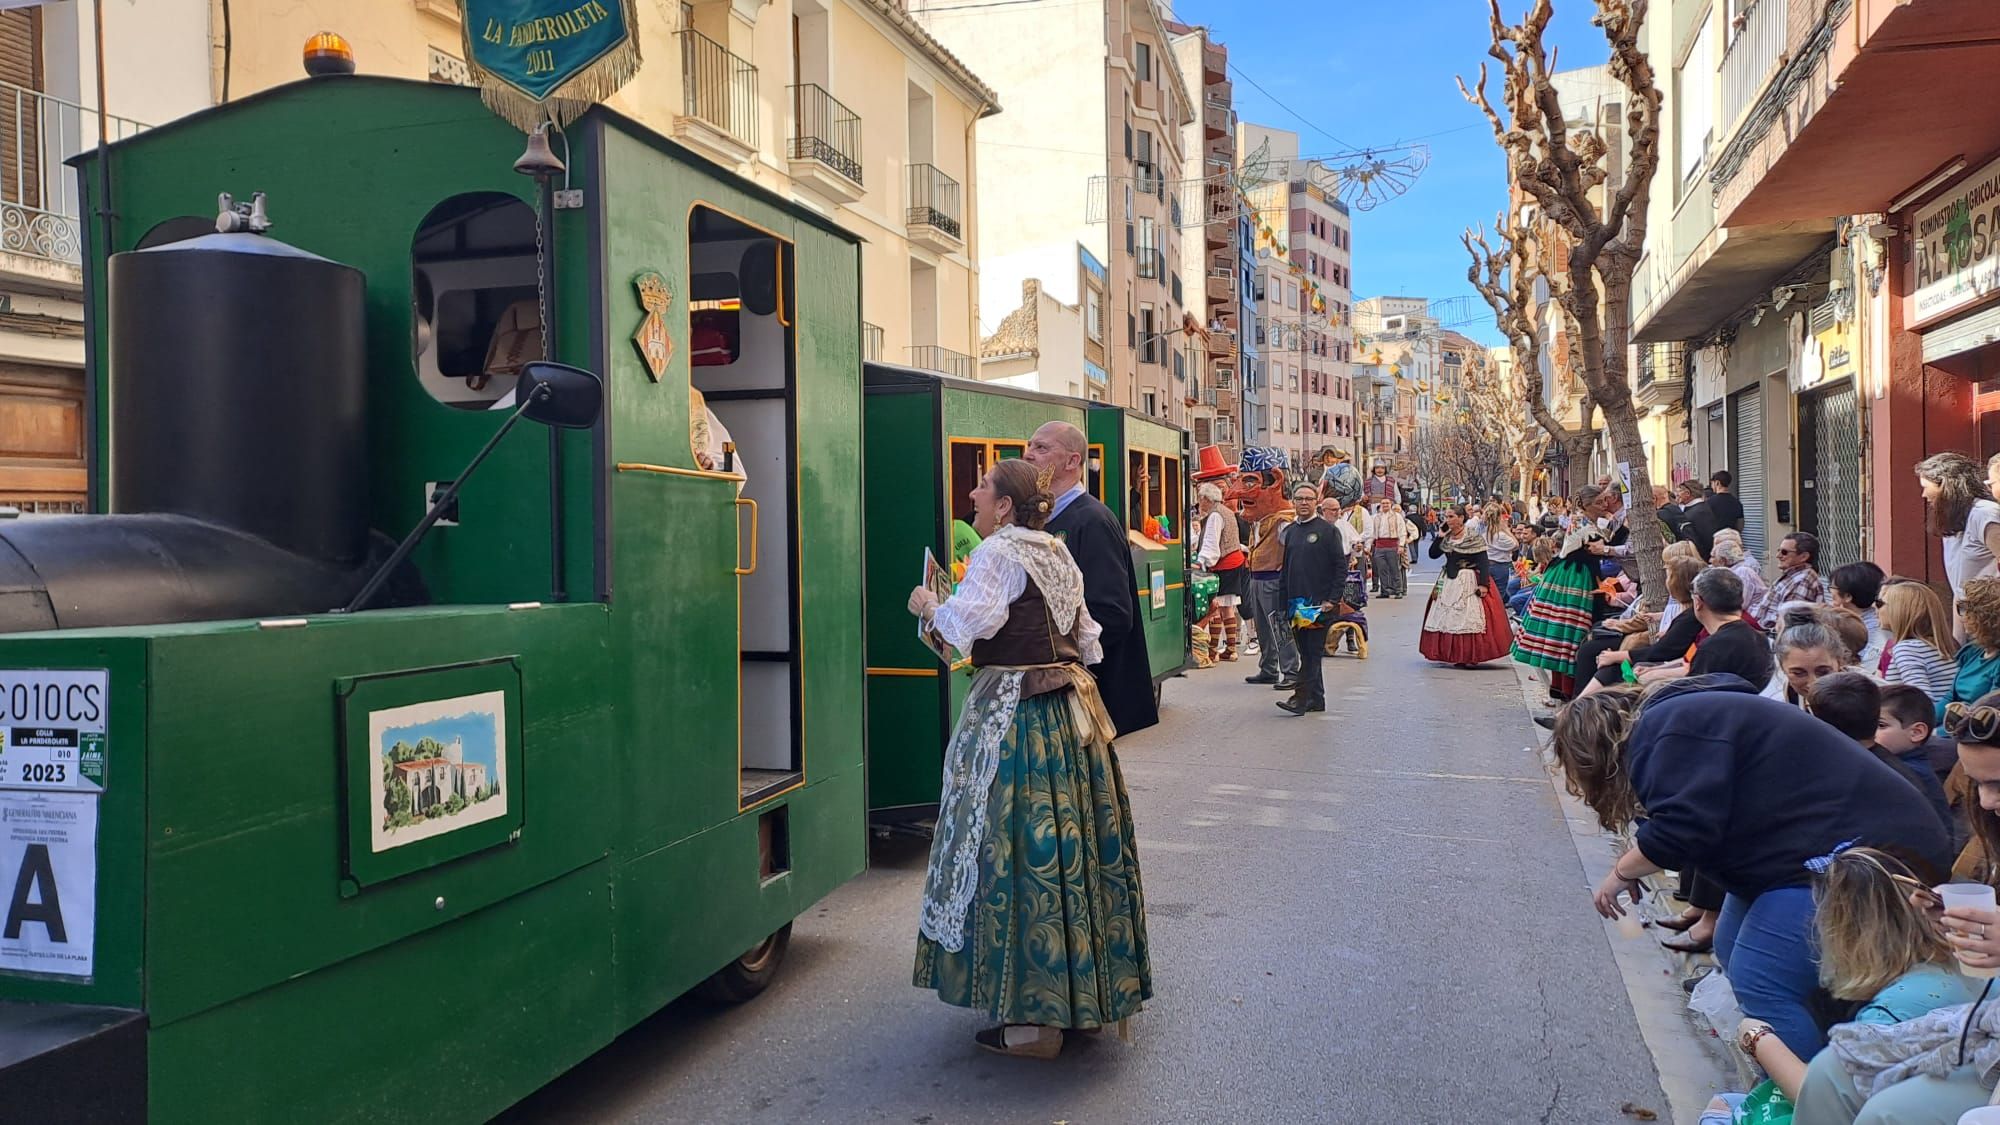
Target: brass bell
x=538, y=159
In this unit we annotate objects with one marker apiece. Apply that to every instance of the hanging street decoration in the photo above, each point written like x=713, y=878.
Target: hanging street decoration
x=655, y=346
x=537, y=60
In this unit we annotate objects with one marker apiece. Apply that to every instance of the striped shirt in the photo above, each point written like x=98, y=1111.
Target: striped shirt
x=1919, y=664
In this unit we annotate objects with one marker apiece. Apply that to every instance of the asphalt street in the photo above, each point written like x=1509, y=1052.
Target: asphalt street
x=1373, y=916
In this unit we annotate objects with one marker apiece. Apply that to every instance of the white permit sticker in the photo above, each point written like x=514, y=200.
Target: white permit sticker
x=48, y=875
x=52, y=729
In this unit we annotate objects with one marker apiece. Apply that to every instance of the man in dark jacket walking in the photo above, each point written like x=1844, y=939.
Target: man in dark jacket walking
x=1096, y=540
x=1316, y=575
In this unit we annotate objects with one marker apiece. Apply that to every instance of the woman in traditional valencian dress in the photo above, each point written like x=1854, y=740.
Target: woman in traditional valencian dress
x=1565, y=607
x=1465, y=621
x=1032, y=909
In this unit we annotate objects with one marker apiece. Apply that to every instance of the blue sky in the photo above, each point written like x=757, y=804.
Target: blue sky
x=1376, y=73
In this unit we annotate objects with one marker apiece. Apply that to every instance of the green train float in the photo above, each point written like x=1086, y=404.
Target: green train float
x=568, y=753
x=932, y=437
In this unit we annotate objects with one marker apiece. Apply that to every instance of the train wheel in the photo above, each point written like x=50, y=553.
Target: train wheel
x=750, y=974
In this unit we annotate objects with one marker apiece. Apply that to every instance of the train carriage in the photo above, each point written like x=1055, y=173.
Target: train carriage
x=931, y=438
x=1138, y=468
x=596, y=737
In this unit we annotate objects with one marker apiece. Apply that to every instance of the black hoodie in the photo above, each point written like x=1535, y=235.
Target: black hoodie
x=1748, y=789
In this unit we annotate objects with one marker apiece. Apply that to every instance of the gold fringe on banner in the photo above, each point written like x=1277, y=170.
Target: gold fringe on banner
x=591, y=85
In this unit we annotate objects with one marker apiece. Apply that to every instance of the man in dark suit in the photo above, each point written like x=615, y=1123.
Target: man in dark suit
x=1315, y=573
x=1096, y=540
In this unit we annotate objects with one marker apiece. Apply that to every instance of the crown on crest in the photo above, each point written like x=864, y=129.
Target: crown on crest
x=653, y=292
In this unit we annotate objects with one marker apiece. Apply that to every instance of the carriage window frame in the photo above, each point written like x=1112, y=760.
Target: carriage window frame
x=989, y=455
x=1093, y=467
x=1163, y=495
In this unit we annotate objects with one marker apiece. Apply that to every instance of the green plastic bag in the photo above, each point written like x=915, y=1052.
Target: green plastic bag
x=1766, y=1105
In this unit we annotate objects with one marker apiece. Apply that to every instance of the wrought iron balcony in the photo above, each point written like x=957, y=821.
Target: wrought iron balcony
x=40, y=204
x=934, y=207
x=825, y=131
x=871, y=341
x=931, y=357
x=719, y=90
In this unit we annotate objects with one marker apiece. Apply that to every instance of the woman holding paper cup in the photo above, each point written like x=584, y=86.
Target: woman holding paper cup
x=1745, y=790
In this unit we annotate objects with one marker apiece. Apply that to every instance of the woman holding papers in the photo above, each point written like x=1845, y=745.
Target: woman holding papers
x=1032, y=908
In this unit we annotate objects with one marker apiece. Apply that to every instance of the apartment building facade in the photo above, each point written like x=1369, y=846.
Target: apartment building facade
x=1212, y=277
x=1081, y=181
x=848, y=106
x=1742, y=307
x=1854, y=142
x=156, y=68
x=1304, y=241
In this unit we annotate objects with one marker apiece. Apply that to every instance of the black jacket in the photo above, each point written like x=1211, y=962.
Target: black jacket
x=1315, y=566
x=1748, y=789
x=1700, y=528
x=1096, y=540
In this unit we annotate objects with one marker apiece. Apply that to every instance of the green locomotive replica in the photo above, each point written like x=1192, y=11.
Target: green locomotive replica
x=932, y=437
x=304, y=823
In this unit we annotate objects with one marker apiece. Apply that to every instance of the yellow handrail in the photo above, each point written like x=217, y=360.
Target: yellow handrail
x=752, y=569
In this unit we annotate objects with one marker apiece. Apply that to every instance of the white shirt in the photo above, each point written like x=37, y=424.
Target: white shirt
x=1210, y=551
x=978, y=608
x=1063, y=501
x=1386, y=525
x=1965, y=554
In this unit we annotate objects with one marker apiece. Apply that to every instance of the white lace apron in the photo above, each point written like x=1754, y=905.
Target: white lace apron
x=1457, y=609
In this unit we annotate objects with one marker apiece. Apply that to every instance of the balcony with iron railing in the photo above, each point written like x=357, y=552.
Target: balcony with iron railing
x=871, y=342
x=933, y=214
x=41, y=206
x=1661, y=374
x=931, y=357
x=718, y=99
x=1754, y=55
x=825, y=148
x=1221, y=284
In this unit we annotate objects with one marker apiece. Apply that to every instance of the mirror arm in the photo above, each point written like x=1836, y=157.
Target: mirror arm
x=439, y=506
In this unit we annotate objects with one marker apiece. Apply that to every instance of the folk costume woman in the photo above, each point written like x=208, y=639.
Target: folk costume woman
x=1566, y=605
x=1032, y=908
x=1465, y=622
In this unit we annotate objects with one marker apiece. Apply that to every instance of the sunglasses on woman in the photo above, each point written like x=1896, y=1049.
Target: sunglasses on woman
x=1966, y=722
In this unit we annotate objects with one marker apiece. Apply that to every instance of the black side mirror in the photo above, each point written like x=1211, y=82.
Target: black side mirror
x=556, y=394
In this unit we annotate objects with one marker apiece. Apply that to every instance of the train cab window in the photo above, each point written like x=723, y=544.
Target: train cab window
x=475, y=319
x=1153, y=494
x=743, y=413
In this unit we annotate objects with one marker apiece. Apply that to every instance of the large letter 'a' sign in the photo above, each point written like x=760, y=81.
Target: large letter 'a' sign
x=537, y=59
x=48, y=877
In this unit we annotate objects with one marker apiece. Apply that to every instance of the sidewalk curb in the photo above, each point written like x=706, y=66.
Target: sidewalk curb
x=1693, y=1064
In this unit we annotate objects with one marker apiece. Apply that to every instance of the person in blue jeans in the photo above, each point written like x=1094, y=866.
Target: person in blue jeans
x=1678, y=765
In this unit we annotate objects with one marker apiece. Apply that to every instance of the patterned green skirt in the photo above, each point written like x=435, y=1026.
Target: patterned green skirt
x=1057, y=933
x=1558, y=621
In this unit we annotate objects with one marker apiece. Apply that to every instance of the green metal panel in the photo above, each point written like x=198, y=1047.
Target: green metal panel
x=455, y=1024
x=900, y=489
x=676, y=547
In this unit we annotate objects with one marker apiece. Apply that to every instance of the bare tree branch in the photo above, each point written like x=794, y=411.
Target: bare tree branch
x=1561, y=167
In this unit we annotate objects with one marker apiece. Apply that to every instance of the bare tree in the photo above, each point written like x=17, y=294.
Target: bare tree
x=1563, y=170
x=1462, y=457
x=1498, y=407
x=1506, y=277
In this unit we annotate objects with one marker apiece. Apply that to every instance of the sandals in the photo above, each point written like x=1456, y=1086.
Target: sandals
x=1023, y=1040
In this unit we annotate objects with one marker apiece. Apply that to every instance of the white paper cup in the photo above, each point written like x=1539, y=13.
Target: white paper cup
x=1980, y=896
